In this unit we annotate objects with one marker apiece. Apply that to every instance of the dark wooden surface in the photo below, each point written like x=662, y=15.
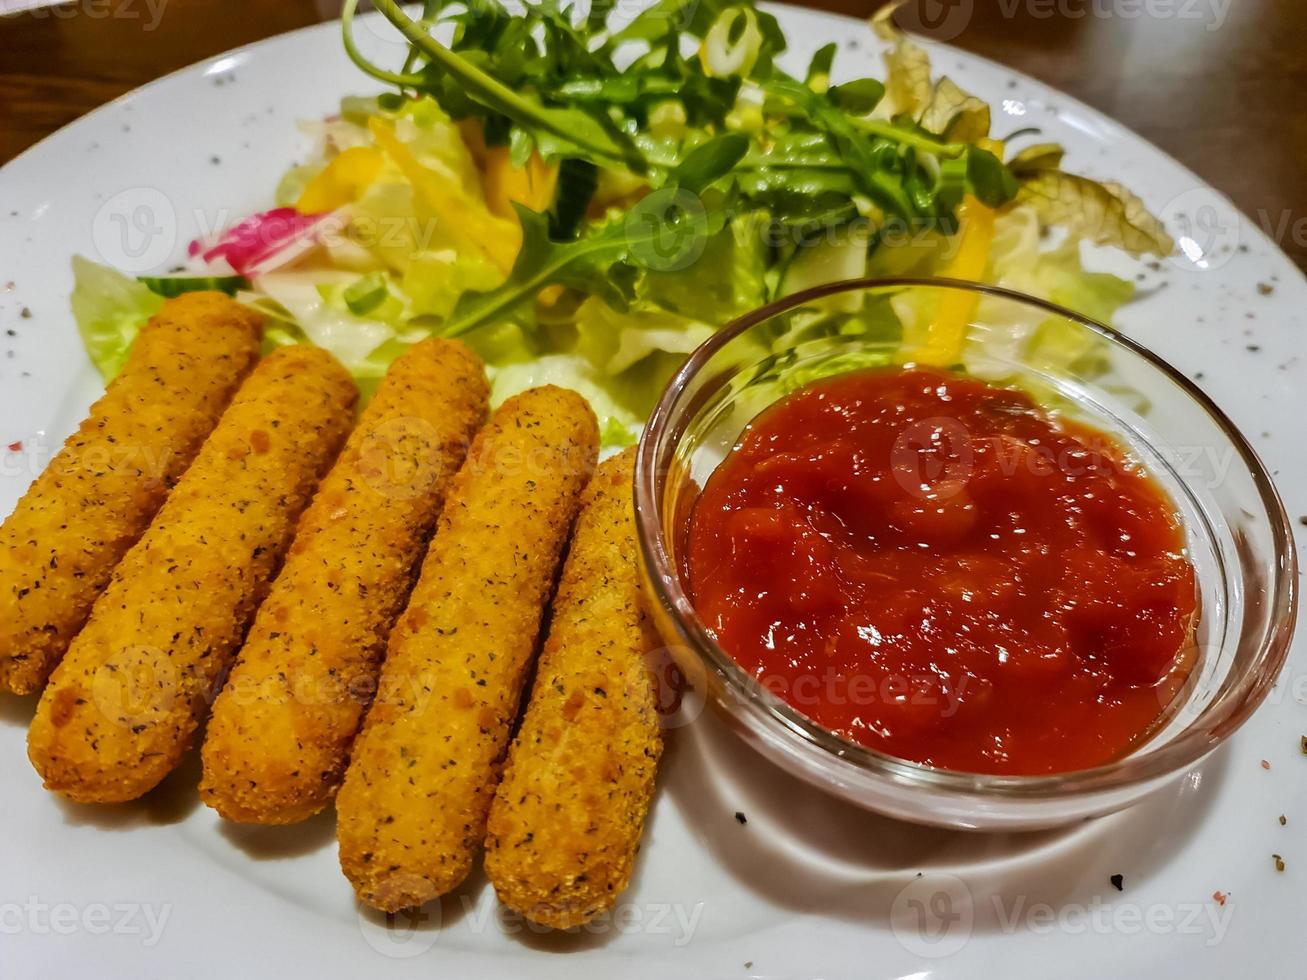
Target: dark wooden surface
x=1216, y=83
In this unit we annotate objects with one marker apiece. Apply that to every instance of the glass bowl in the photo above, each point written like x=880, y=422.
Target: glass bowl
x=1238, y=535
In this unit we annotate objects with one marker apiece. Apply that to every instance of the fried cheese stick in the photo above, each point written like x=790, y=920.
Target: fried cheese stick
x=411, y=813
x=565, y=824
x=121, y=709
x=279, y=738
x=98, y=495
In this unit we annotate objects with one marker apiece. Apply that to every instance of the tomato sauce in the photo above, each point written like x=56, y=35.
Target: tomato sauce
x=937, y=568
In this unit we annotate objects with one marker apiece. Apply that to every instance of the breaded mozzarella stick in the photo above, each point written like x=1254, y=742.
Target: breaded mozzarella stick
x=277, y=744
x=98, y=495
x=411, y=813
x=121, y=709
x=565, y=825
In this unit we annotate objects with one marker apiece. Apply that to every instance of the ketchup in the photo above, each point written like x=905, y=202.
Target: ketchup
x=937, y=568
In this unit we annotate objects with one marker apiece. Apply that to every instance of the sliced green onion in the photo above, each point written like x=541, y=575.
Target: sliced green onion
x=366, y=294
x=170, y=286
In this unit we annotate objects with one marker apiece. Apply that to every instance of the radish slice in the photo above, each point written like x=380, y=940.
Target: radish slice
x=273, y=239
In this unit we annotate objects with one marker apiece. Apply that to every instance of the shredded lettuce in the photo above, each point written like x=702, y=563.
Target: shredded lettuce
x=110, y=309
x=434, y=280
x=1020, y=261
x=619, y=421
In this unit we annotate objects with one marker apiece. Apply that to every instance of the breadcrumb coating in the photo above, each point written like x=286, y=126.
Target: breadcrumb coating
x=121, y=710
x=411, y=813
x=99, y=493
x=565, y=824
x=277, y=744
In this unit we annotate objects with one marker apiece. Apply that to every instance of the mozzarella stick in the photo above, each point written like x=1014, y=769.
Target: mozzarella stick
x=276, y=746
x=565, y=824
x=411, y=812
x=121, y=709
x=98, y=495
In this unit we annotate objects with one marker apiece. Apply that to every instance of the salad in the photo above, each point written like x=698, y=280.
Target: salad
x=585, y=199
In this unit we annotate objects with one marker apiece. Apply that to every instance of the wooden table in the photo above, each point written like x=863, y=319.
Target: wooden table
x=1216, y=83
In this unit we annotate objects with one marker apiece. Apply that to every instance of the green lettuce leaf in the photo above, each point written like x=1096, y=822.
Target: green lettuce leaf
x=110, y=309
x=1020, y=260
x=907, y=66
x=1104, y=214
x=956, y=115
x=619, y=416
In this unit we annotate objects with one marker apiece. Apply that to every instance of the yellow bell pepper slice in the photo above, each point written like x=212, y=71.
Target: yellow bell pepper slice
x=947, y=331
x=532, y=185
x=342, y=181
x=475, y=228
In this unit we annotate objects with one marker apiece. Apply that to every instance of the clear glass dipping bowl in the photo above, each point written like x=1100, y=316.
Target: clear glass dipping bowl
x=1239, y=537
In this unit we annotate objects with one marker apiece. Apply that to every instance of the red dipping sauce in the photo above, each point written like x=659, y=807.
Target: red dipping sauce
x=937, y=568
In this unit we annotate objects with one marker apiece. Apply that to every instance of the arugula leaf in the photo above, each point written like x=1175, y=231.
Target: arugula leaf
x=819, y=68
x=570, y=127
x=989, y=179
x=710, y=162
x=588, y=264
x=854, y=145
x=541, y=262
x=859, y=97
x=693, y=17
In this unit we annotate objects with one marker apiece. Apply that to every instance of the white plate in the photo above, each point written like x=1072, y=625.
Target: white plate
x=808, y=887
